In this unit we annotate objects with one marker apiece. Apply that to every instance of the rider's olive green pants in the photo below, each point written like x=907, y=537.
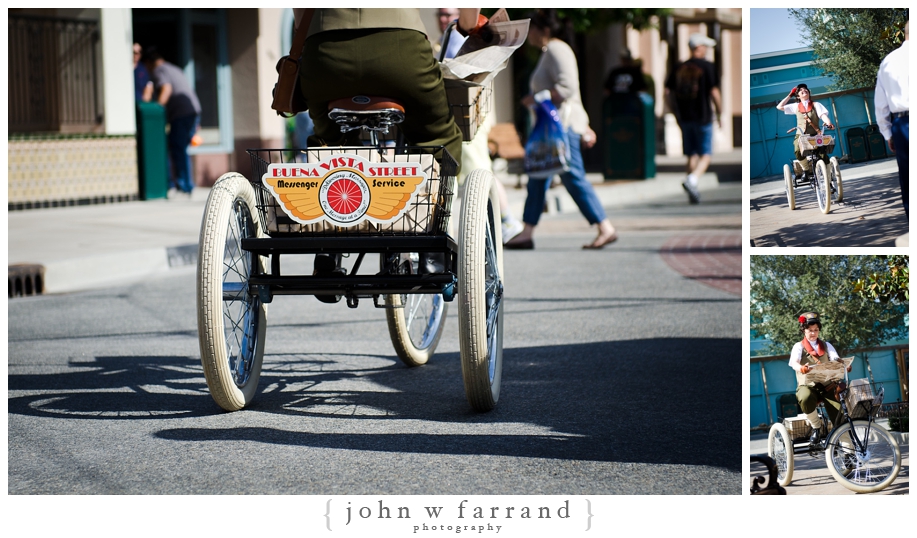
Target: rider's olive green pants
x=808, y=400
x=393, y=63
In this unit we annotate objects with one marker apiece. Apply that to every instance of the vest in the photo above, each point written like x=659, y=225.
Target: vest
x=809, y=128
x=808, y=358
x=326, y=19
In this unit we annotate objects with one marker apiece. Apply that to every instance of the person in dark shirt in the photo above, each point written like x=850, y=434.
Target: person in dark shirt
x=626, y=78
x=693, y=93
x=183, y=111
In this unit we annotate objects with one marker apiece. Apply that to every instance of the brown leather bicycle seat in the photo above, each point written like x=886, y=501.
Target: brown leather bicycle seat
x=365, y=102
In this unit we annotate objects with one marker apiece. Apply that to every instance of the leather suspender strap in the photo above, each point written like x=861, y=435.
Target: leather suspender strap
x=301, y=32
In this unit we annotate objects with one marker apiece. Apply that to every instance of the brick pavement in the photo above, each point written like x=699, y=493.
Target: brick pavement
x=714, y=259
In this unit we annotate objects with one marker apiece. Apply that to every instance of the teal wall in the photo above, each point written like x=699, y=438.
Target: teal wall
x=773, y=75
x=781, y=379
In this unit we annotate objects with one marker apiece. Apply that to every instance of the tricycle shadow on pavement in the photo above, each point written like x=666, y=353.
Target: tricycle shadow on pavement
x=112, y=387
x=871, y=215
x=593, y=401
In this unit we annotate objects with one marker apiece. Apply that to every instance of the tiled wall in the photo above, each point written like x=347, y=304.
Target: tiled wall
x=71, y=170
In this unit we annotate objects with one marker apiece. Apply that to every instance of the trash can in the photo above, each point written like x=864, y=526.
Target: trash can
x=152, y=151
x=875, y=142
x=788, y=406
x=856, y=144
x=629, y=136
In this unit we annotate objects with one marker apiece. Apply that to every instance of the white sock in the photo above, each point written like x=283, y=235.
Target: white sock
x=692, y=180
x=814, y=419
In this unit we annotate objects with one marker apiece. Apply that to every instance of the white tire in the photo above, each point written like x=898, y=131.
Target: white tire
x=790, y=189
x=780, y=448
x=480, y=291
x=823, y=187
x=868, y=468
x=231, y=321
x=415, y=324
x=836, y=179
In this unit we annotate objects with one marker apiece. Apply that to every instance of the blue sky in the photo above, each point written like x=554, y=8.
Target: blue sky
x=773, y=30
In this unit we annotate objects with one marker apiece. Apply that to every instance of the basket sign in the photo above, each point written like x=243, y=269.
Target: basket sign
x=344, y=189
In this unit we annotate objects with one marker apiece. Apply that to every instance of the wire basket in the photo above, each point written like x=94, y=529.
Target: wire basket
x=809, y=143
x=427, y=211
x=863, y=398
x=469, y=106
x=798, y=427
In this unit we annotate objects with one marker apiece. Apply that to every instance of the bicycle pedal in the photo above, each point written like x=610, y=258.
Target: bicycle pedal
x=387, y=306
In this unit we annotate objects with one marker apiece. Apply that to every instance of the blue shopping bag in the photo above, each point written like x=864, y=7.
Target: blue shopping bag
x=547, y=152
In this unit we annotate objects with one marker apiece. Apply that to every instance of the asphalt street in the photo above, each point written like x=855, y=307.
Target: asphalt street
x=870, y=214
x=602, y=389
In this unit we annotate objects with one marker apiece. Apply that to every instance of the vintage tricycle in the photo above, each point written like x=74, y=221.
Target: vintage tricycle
x=818, y=171
x=384, y=199
x=861, y=455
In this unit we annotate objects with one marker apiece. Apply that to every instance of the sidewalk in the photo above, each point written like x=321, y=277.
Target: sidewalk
x=96, y=246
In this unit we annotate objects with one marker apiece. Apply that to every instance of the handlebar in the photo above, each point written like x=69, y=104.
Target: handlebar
x=826, y=128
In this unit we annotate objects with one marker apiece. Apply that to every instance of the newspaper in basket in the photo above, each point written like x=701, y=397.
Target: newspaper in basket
x=809, y=143
x=354, y=190
x=469, y=75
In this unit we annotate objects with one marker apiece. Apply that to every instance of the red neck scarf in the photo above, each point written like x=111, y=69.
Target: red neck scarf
x=808, y=347
x=806, y=107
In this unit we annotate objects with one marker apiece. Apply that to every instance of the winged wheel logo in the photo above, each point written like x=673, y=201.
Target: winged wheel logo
x=344, y=189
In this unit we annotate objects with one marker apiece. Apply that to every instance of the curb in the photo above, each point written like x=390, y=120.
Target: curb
x=94, y=272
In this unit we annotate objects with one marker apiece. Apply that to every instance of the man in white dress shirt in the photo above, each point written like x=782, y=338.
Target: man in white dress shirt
x=892, y=108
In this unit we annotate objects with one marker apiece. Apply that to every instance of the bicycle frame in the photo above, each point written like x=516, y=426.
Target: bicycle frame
x=818, y=154
x=858, y=443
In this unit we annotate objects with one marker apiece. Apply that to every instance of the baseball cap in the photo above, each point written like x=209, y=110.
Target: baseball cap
x=698, y=39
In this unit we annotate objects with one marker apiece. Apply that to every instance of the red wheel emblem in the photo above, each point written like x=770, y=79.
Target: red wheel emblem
x=344, y=196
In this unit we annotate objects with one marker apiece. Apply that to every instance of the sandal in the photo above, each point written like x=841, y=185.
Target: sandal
x=595, y=245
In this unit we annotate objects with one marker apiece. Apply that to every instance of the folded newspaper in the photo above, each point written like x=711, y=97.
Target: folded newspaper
x=827, y=372
x=476, y=63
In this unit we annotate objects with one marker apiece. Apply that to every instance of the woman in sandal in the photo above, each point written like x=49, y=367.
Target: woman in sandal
x=558, y=74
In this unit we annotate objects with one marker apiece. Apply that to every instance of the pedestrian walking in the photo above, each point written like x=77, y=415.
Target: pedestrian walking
x=183, y=111
x=557, y=74
x=892, y=109
x=693, y=93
